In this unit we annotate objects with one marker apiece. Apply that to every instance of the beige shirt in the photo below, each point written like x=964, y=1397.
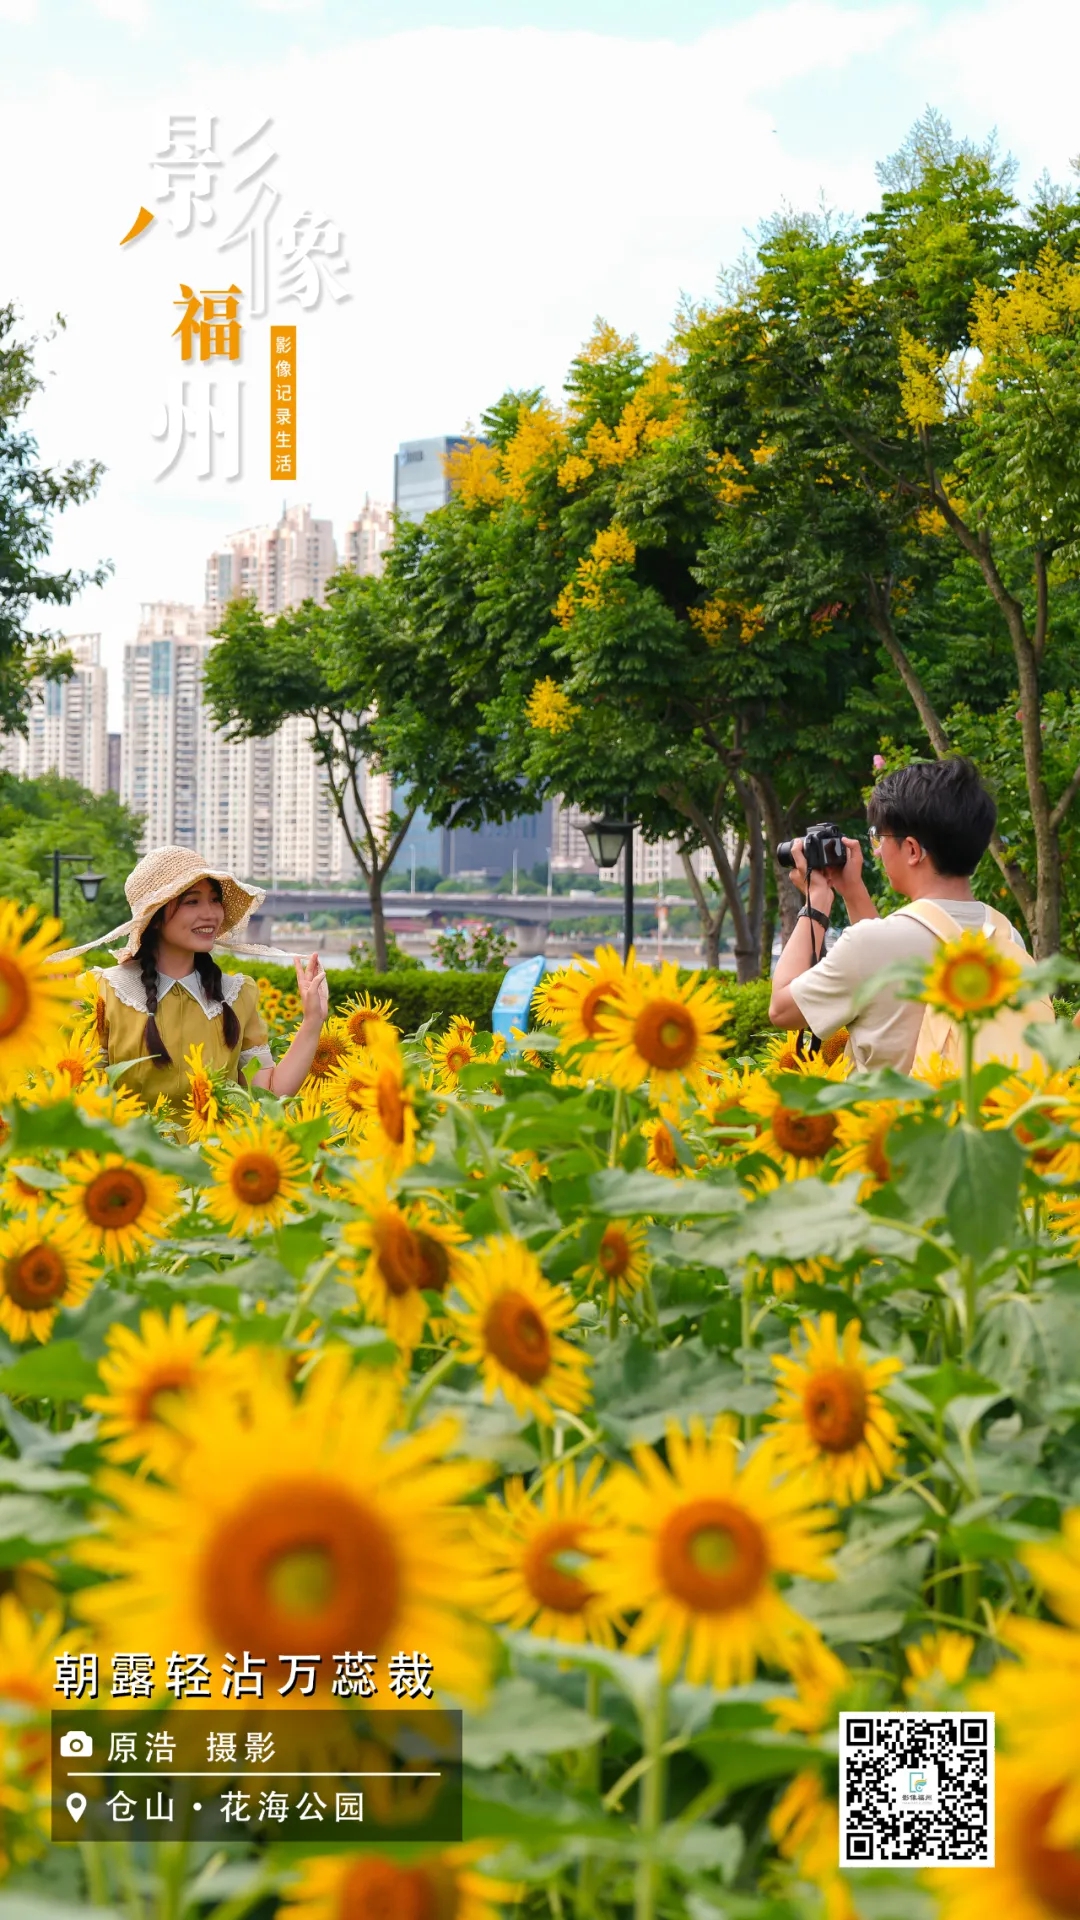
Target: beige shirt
x=886, y=1032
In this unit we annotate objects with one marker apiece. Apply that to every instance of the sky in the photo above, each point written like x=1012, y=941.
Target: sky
x=500, y=173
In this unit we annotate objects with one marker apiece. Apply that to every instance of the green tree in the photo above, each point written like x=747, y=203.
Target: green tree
x=29, y=497
x=897, y=407
x=38, y=817
x=377, y=696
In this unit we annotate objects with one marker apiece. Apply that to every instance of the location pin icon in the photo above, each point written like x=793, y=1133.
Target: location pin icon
x=76, y=1805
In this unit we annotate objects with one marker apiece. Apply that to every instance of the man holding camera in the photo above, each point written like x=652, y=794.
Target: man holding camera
x=930, y=824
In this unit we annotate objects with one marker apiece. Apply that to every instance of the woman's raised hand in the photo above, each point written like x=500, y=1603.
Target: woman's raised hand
x=313, y=990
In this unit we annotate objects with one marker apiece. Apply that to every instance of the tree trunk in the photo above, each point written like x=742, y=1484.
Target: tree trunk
x=777, y=825
x=746, y=937
x=1025, y=895
x=378, y=918
x=711, y=923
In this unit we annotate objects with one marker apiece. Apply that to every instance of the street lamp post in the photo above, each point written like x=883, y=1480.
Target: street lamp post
x=606, y=839
x=89, y=882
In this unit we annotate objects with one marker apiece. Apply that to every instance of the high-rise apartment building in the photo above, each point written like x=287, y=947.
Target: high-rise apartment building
x=367, y=538
x=162, y=715
x=420, y=478
x=66, y=721
x=263, y=807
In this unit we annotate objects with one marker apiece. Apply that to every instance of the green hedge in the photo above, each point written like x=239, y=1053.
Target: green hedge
x=417, y=994
x=424, y=995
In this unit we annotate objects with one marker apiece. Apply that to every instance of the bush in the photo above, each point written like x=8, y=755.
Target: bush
x=416, y=996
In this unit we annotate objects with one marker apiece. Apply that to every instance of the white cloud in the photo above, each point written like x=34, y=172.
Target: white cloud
x=127, y=13
x=21, y=12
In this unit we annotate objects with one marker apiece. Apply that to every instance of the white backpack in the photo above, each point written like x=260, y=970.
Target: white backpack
x=1002, y=1036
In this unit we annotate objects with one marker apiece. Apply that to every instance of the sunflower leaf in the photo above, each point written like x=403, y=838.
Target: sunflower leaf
x=521, y=1722
x=58, y=1371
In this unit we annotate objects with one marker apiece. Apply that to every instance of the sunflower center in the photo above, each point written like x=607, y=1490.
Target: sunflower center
x=456, y=1058
x=549, y=1583
x=115, y=1197
x=615, y=1253
x=380, y=1889
x=971, y=982
x=36, y=1279
x=834, y=1402
x=594, y=1005
x=73, y=1069
x=517, y=1336
x=663, y=1147
x=806, y=1135
x=665, y=1034
x=1052, y=1873
x=713, y=1555
x=255, y=1178
x=397, y=1253
x=173, y=1377
x=14, y=996
x=327, y=1054
x=434, y=1262
x=356, y=1027
x=390, y=1106
x=300, y=1556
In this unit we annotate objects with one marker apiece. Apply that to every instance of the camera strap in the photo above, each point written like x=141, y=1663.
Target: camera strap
x=815, y=916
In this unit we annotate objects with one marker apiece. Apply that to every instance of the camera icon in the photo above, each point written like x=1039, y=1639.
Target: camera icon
x=75, y=1745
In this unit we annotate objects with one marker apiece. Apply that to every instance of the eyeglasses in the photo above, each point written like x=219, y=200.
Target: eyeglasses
x=876, y=839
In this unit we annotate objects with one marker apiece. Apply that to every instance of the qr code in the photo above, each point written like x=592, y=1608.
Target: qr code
x=916, y=1789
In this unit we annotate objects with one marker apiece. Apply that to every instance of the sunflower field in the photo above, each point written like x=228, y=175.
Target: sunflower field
x=667, y=1402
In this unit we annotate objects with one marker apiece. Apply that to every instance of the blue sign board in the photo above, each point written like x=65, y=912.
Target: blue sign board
x=514, y=998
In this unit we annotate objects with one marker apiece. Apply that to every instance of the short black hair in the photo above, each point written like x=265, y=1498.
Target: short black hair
x=942, y=804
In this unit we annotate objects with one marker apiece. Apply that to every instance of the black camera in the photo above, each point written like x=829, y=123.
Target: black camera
x=823, y=846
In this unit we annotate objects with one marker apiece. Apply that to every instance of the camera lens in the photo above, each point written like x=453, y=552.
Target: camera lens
x=784, y=854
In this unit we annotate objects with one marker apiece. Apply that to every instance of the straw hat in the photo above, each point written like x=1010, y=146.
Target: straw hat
x=162, y=875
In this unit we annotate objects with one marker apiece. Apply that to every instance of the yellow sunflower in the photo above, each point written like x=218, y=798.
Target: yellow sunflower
x=256, y=1177
x=117, y=1105
x=333, y=1044
x=971, y=977
x=372, y=1103
x=621, y=1265
x=512, y=1329
x=452, y=1053
x=1036, y=1875
x=145, y=1374
x=200, y=1106
x=121, y=1206
x=695, y=1546
x=796, y=1140
x=533, y=1554
x=1034, y=1103
x=861, y=1136
x=373, y=1886
x=37, y=994
x=575, y=999
x=829, y=1420
x=42, y=1268
x=660, y=1152
x=73, y=1060
x=405, y=1251
x=296, y=1522
x=937, y=1664
x=661, y=1032
x=18, y=1189
x=361, y=1012
x=28, y=1652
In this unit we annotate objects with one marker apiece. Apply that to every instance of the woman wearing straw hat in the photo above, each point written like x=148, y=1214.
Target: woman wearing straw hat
x=166, y=991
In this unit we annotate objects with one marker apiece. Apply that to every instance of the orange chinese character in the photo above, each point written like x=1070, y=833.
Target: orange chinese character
x=212, y=318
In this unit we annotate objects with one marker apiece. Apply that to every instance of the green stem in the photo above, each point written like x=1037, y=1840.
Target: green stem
x=432, y=1378
x=307, y=1295
x=617, y=1112
x=96, y=1878
x=613, y=1314
x=971, y=1301
x=967, y=1074
x=651, y=1804
x=592, y=1761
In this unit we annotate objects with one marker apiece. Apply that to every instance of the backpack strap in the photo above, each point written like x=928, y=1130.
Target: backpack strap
x=931, y=915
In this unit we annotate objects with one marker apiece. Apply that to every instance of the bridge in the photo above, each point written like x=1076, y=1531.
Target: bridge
x=534, y=911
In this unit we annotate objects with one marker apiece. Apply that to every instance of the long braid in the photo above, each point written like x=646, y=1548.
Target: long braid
x=153, y=1043
x=210, y=974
